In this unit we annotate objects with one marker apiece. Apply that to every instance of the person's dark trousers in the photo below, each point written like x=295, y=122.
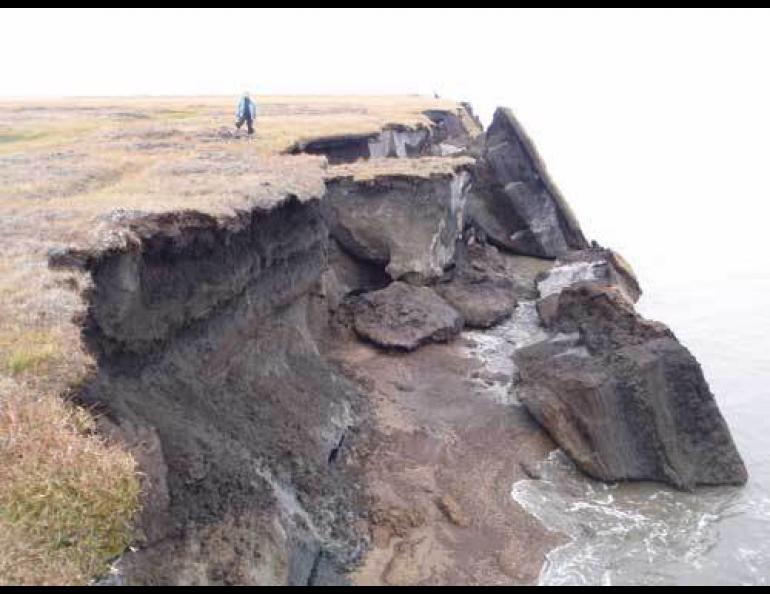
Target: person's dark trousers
x=249, y=124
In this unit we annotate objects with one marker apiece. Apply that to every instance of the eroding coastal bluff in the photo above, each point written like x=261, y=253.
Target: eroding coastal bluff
x=331, y=359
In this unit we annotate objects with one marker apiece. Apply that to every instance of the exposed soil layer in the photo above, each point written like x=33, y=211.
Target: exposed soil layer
x=208, y=366
x=445, y=457
x=446, y=132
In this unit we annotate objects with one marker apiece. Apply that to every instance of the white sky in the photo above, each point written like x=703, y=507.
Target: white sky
x=654, y=123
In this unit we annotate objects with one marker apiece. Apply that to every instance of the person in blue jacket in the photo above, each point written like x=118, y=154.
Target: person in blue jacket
x=246, y=112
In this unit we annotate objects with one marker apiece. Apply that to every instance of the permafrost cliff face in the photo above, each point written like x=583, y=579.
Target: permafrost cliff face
x=208, y=363
x=257, y=367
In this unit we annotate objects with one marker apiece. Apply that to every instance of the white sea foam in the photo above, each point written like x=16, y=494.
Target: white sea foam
x=636, y=533
x=495, y=348
x=562, y=276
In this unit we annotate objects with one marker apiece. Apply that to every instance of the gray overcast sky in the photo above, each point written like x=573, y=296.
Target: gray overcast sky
x=654, y=122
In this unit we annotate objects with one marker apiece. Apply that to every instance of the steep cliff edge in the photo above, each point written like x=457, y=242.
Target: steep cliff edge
x=515, y=202
x=206, y=360
x=334, y=387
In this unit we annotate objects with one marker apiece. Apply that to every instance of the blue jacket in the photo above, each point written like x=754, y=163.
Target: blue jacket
x=246, y=104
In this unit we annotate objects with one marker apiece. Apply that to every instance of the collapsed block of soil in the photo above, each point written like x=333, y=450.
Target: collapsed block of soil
x=408, y=225
x=478, y=289
x=623, y=397
x=404, y=317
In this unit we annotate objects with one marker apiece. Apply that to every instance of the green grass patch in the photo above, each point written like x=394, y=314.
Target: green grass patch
x=21, y=137
x=68, y=498
x=28, y=351
x=29, y=359
x=177, y=114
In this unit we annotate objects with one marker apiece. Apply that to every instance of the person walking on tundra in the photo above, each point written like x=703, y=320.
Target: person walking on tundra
x=247, y=111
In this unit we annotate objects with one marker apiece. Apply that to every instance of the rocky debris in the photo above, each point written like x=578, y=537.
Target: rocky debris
x=623, y=397
x=601, y=266
x=453, y=512
x=478, y=289
x=603, y=316
x=609, y=268
x=514, y=200
x=407, y=225
x=404, y=317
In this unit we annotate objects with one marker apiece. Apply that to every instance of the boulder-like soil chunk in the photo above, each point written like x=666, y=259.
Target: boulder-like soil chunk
x=482, y=300
x=407, y=225
x=482, y=293
x=514, y=200
x=404, y=317
x=623, y=397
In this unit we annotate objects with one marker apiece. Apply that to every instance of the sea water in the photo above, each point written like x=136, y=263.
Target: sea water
x=644, y=533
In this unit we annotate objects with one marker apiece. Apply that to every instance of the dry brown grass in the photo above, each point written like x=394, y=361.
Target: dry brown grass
x=281, y=121
x=66, y=162
x=66, y=496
